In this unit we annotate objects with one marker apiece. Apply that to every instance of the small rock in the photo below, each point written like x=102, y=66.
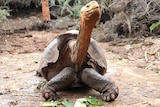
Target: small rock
x=19, y=69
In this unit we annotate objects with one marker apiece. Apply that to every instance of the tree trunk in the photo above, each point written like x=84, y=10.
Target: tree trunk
x=45, y=11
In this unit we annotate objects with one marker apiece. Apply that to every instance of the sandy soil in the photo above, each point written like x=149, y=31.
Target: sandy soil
x=134, y=65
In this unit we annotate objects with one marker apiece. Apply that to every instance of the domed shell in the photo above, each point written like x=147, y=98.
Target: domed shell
x=52, y=52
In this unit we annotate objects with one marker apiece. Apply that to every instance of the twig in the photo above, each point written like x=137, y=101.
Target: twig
x=147, y=7
x=146, y=56
x=150, y=53
x=128, y=23
x=149, y=66
x=153, y=53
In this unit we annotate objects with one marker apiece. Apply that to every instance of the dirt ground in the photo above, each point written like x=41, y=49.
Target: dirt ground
x=134, y=65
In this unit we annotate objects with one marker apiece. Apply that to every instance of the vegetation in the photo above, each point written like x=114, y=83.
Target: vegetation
x=126, y=17
x=81, y=102
x=154, y=25
x=69, y=6
x=73, y=6
x=4, y=11
x=132, y=18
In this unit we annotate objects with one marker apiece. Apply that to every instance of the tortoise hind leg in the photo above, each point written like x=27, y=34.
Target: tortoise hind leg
x=61, y=81
x=108, y=90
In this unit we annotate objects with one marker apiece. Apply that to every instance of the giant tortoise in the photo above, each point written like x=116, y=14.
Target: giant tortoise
x=74, y=58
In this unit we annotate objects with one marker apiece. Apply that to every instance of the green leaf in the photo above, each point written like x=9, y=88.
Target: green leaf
x=94, y=101
x=91, y=101
x=79, y=104
x=52, y=103
x=154, y=25
x=67, y=104
x=49, y=104
x=82, y=99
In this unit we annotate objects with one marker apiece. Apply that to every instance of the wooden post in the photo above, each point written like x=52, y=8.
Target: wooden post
x=45, y=11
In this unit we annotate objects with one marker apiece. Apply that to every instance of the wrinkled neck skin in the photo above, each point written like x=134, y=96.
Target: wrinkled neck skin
x=82, y=43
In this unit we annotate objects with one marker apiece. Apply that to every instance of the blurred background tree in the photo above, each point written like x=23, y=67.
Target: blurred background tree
x=45, y=11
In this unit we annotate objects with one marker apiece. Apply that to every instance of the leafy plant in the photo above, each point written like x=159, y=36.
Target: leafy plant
x=70, y=6
x=4, y=11
x=75, y=11
x=154, y=25
x=81, y=102
x=51, y=103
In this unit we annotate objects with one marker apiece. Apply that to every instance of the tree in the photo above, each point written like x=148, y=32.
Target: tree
x=45, y=11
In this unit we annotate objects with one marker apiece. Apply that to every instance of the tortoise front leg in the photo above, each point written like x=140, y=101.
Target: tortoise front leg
x=61, y=81
x=109, y=91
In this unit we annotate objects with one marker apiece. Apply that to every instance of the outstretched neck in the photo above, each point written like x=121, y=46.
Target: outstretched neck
x=82, y=43
x=89, y=15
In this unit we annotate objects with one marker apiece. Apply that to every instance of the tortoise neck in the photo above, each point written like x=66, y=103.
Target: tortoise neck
x=82, y=43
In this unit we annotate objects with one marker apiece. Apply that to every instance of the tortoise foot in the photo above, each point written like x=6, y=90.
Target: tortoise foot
x=49, y=94
x=110, y=94
x=38, y=73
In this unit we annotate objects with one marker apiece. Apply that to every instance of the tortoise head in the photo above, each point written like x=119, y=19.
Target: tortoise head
x=90, y=13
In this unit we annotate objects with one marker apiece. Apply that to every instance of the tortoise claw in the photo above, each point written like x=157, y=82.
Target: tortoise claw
x=110, y=94
x=49, y=94
x=38, y=73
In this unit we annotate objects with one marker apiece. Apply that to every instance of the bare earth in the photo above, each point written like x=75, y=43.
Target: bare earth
x=133, y=64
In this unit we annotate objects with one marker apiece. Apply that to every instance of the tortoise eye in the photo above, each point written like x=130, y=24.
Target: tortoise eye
x=87, y=6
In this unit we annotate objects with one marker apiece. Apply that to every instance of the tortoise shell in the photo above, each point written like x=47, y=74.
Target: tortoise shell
x=58, y=53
